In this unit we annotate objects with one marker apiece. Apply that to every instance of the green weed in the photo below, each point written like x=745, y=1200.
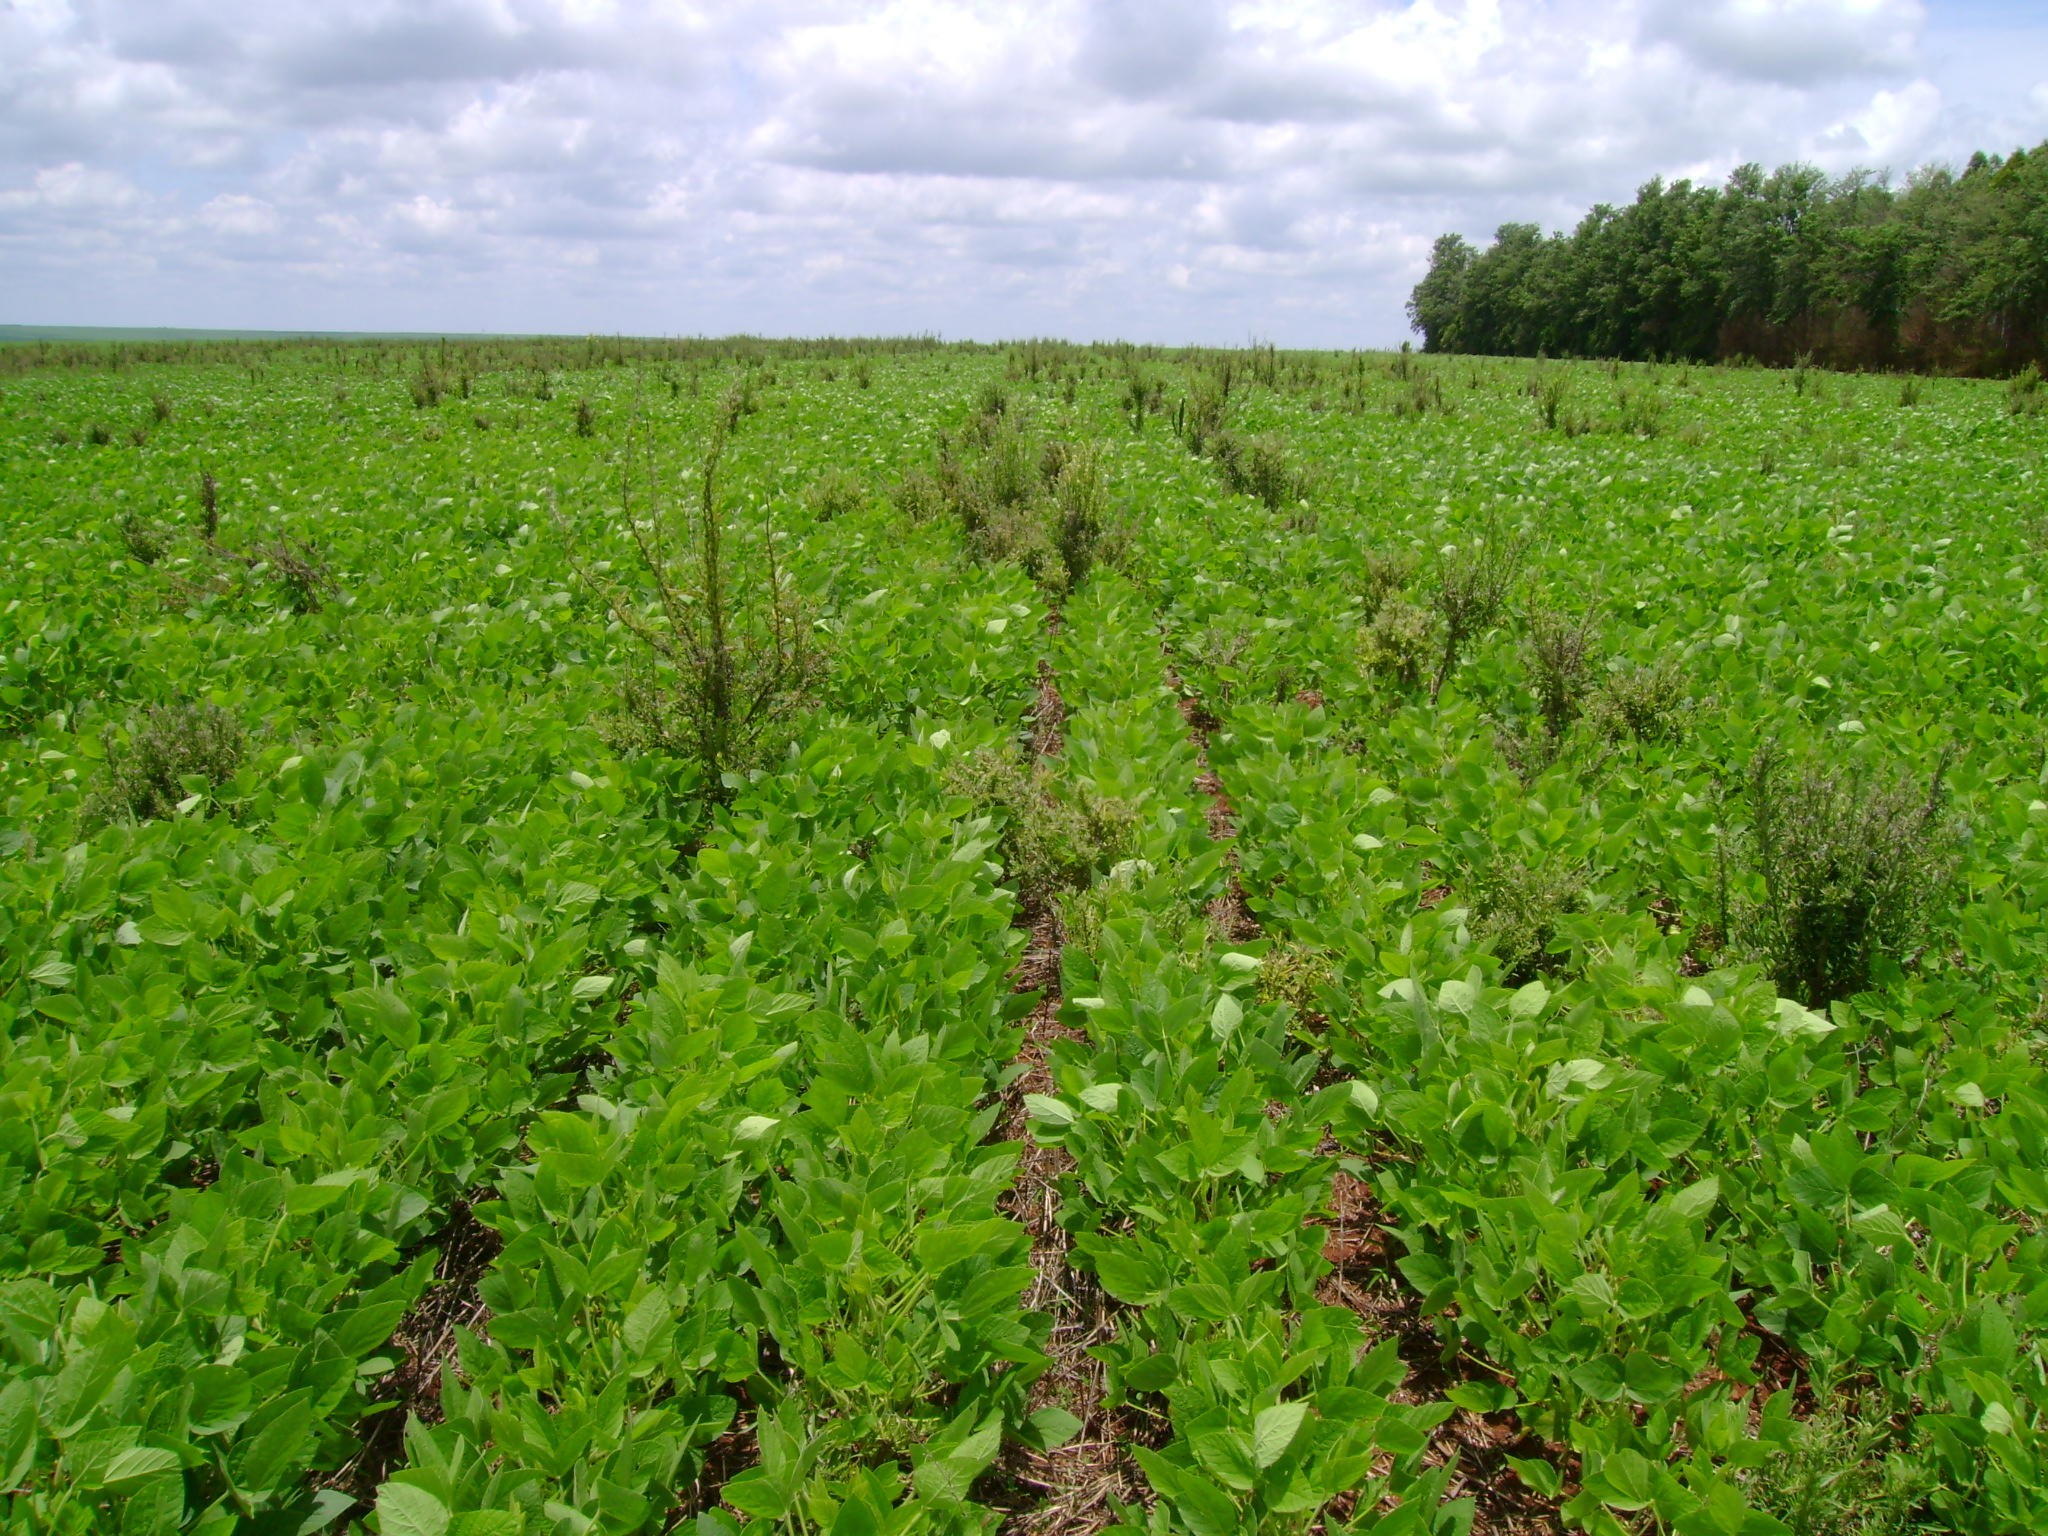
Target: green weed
x=169, y=753
x=1055, y=839
x=1849, y=861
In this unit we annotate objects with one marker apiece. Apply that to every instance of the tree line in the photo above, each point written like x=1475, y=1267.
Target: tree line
x=1948, y=273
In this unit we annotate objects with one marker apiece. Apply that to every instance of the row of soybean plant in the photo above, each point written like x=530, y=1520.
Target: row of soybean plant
x=1197, y=1130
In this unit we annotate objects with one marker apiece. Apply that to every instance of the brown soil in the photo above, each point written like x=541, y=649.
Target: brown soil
x=426, y=1338
x=724, y=1459
x=1048, y=715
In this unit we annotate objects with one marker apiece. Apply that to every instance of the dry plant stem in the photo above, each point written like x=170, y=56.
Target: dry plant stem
x=736, y=642
x=702, y=640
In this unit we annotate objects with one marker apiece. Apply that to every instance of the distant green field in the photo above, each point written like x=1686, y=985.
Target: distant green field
x=177, y=333
x=1074, y=939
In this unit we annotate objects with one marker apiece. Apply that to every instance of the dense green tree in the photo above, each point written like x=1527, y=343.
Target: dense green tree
x=1950, y=272
x=1436, y=304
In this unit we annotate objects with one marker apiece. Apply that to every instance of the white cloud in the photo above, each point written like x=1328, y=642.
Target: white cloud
x=1791, y=41
x=1179, y=169
x=429, y=216
x=73, y=189
x=1884, y=132
x=236, y=214
x=1144, y=49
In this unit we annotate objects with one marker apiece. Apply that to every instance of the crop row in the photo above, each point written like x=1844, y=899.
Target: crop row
x=1195, y=1130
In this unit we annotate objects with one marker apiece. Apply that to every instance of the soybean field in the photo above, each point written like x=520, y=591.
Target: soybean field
x=850, y=938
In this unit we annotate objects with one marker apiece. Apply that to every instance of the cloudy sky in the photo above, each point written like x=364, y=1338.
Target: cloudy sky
x=1162, y=170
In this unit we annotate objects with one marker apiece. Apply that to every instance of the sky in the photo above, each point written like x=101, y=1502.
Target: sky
x=1164, y=171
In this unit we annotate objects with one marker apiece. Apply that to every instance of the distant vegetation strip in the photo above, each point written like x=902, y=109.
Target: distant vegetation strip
x=448, y=358
x=1948, y=273
x=172, y=333
x=185, y=333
